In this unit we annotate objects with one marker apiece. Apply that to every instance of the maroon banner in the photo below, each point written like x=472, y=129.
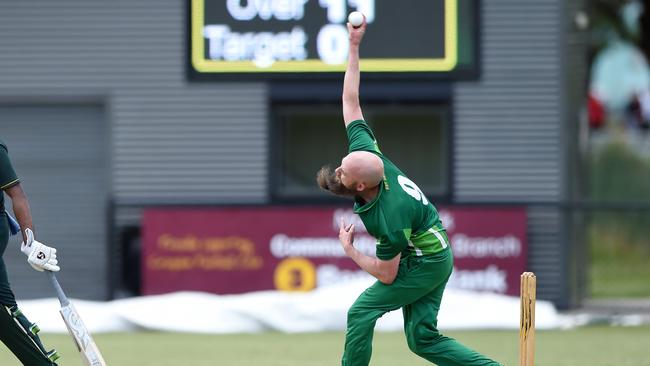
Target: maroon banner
x=236, y=250
x=489, y=247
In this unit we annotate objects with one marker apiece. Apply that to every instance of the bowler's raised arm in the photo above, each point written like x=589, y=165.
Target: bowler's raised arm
x=351, y=105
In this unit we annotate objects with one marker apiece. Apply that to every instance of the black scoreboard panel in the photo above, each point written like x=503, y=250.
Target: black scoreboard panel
x=289, y=38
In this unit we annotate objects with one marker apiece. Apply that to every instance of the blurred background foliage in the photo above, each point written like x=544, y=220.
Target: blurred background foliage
x=619, y=239
x=617, y=156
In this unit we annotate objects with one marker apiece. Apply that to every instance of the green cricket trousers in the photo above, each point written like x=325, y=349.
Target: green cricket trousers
x=10, y=332
x=417, y=289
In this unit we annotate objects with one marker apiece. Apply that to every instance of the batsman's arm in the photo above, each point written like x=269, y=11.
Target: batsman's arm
x=351, y=81
x=21, y=208
x=10, y=184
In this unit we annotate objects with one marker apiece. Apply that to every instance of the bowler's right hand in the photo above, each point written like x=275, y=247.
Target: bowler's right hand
x=356, y=34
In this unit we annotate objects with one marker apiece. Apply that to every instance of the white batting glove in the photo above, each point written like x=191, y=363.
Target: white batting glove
x=39, y=256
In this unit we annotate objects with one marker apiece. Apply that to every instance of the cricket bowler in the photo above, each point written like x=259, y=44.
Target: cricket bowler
x=414, y=259
x=16, y=332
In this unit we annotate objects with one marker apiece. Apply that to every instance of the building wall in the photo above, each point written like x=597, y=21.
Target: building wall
x=509, y=128
x=169, y=137
x=169, y=140
x=60, y=155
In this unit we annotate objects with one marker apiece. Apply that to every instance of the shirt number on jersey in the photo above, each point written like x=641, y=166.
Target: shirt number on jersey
x=412, y=189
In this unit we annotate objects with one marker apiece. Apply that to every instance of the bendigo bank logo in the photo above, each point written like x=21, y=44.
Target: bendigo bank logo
x=295, y=274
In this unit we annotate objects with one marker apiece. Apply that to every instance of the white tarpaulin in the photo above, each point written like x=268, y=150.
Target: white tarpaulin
x=324, y=309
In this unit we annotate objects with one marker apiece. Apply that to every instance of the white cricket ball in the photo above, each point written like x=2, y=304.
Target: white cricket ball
x=355, y=18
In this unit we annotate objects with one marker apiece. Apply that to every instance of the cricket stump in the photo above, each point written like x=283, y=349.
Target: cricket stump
x=527, y=319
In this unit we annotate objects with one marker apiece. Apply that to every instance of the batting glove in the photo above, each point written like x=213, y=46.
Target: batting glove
x=39, y=256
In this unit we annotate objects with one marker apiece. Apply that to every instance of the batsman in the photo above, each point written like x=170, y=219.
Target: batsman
x=414, y=258
x=16, y=332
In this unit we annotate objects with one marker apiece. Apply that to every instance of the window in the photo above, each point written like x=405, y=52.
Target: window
x=416, y=137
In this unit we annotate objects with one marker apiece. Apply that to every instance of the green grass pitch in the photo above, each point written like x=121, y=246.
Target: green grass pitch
x=589, y=346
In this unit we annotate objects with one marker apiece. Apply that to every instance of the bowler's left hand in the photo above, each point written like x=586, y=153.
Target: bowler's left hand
x=346, y=236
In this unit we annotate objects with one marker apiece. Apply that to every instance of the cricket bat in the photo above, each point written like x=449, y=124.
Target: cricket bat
x=85, y=344
x=14, y=227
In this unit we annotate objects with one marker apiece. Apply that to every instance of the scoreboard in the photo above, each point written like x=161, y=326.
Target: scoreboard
x=289, y=38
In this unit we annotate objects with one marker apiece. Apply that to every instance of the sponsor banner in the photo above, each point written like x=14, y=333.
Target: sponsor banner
x=489, y=246
x=236, y=250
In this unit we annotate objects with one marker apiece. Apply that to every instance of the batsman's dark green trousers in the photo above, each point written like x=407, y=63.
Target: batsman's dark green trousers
x=417, y=289
x=10, y=333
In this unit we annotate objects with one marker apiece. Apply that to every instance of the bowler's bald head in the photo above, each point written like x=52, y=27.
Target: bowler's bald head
x=364, y=167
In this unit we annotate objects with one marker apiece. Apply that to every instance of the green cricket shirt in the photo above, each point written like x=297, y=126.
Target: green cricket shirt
x=401, y=218
x=8, y=176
